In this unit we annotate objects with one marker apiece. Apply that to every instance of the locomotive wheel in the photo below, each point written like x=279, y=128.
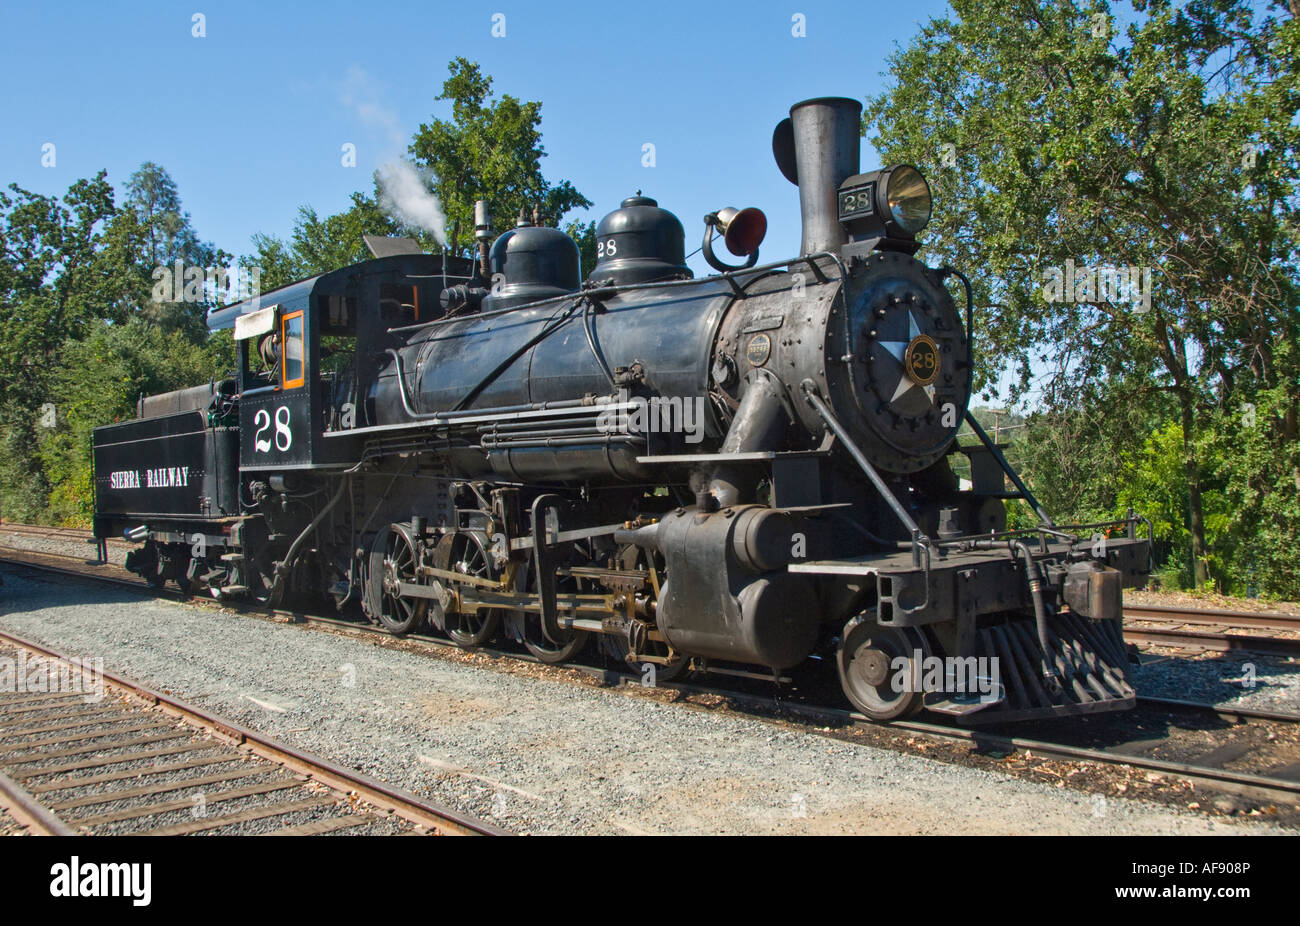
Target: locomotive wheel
x=549, y=651
x=157, y=575
x=526, y=626
x=466, y=552
x=147, y=563
x=616, y=647
x=392, y=560
x=866, y=662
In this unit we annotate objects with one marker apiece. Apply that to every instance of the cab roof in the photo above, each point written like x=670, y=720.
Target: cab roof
x=297, y=295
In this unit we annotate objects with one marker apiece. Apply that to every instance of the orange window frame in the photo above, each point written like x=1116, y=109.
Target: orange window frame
x=284, y=351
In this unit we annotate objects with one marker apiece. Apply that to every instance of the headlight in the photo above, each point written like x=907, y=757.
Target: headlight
x=888, y=206
x=907, y=198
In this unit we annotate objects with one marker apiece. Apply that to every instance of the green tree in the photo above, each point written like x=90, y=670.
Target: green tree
x=77, y=271
x=489, y=149
x=152, y=194
x=168, y=236
x=54, y=260
x=64, y=265
x=1051, y=135
x=319, y=245
x=53, y=264
x=584, y=236
x=99, y=381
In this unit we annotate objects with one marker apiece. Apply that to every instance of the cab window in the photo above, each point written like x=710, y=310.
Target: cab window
x=291, y=341
x=399, y=303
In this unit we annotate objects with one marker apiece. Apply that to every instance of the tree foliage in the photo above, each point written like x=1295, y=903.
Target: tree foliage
x=584, y=236
x=167, y=236
x=1164, y=139
x=489, y=149
x=319, y=245
x=99, y=381
x=80, y=338
x=58, y=252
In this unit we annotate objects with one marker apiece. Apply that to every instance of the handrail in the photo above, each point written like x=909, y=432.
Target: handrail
x=611, y=289
x=1006, y=468
x=920, y=542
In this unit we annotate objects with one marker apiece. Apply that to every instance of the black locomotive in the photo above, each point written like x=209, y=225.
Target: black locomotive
x=746, y=473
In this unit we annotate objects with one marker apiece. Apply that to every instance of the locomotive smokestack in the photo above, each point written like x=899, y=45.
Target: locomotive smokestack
x=817, y=149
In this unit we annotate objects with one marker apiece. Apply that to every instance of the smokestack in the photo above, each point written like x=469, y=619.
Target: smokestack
x=817, y=149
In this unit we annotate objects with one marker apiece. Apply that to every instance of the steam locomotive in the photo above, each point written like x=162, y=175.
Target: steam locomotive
x=747, y=473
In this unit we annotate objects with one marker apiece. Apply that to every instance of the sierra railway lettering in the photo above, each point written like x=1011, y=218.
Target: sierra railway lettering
x=168, y=477
x=128, y=479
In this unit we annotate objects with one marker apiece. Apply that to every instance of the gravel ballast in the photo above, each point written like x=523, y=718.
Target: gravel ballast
x=1235, y=679
x=541, y=756
x=58, y=546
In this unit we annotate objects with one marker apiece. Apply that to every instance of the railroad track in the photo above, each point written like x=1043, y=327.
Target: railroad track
x=1212, y=641
x=1263, y=787
x=353, y=626
x=1267, y=790
x=113, y=756
x=73, y=534
x=1209, y=629
x=41, y=530
x=1267, y=620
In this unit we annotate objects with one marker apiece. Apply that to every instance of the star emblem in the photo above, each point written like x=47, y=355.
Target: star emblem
x=898, y=350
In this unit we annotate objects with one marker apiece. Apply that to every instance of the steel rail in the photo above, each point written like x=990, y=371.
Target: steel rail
x=439, y=819
x=1222, y=710
x=30, y=812
x=1213, y=641
x=1269, y=620
x=1242, y=783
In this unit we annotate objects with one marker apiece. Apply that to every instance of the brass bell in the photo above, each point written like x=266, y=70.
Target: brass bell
x=742, y=230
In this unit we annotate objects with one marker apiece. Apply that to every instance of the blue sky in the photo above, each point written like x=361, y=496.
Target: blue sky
x=250, y=119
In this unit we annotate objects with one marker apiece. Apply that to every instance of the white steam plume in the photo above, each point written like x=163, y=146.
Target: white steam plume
x=404, y=190
x=362, y=94
x=404, y=196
